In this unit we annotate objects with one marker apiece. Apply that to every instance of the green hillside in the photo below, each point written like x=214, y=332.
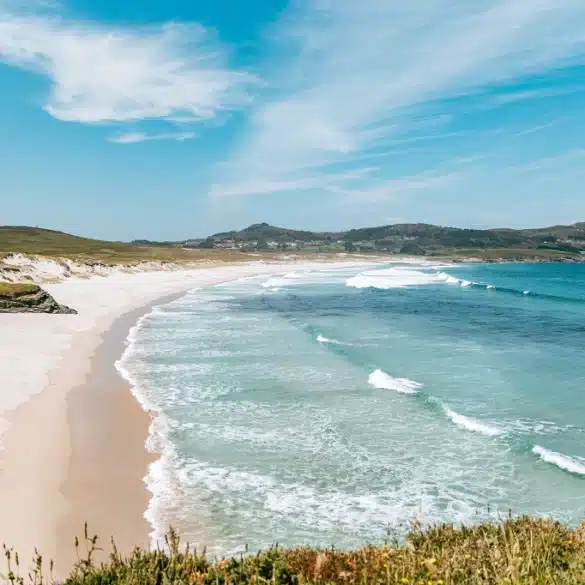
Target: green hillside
x=418, y=239
x=413, y=239
x=33, y=240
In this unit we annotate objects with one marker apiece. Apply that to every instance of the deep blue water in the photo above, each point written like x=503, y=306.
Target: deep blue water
x=325, y=406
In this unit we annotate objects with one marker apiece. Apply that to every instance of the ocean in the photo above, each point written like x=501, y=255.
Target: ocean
x=337, y=406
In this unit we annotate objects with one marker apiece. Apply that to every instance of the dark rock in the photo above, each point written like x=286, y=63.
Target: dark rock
x=35, y=301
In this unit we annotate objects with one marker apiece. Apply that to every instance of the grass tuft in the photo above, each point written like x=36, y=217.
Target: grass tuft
x=12, y=290
x=518, y=551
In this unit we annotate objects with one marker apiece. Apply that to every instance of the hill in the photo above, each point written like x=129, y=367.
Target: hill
x=39, y=241
x=416, y=238
x=554, y=242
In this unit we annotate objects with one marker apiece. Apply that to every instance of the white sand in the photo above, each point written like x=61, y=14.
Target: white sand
x=42, y=357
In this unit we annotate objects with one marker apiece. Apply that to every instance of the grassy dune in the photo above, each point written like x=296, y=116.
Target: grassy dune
x=29, y=240
x=519, y=551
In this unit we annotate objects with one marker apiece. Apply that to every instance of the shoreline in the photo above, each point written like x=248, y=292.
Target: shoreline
x=60, y=376
x=109, y=429
x=93, y=433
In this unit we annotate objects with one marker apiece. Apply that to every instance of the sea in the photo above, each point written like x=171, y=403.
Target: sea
x=340, y=406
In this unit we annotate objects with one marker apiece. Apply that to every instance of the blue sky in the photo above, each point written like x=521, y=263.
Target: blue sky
x=182, y=118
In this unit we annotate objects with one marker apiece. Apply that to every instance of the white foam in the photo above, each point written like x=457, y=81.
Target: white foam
x=332, y=274
x=380, y=379
x=446, y=277
x=323, y=339
x=472, y=424
x=392, y=278
x=570, y=464
x=449, y=279
x=526, y=292
x=161, y=481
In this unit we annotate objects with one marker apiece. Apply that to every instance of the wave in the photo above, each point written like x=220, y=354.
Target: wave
x=323, y=339
x=401, y=277
x=472, y=424
x=392, y=278
x=449, y=279
x=446, y=277
x=159, y=480
x=570, y=464
x=380, y=379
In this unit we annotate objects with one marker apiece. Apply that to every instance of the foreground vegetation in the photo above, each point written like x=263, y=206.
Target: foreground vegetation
x=519, y=551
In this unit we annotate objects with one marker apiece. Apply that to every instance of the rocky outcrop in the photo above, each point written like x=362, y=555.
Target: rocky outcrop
x=28, y=298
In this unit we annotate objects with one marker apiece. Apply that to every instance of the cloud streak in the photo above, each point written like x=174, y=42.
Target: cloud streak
x=136, y=137
x=125, y=74
x=360, y=73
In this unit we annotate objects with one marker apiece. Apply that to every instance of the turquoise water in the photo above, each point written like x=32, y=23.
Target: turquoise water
x=327, y=406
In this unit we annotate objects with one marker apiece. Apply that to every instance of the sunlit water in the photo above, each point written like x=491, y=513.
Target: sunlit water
x=327, y=406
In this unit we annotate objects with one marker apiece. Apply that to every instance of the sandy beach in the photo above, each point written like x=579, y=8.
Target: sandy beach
x=73, y=441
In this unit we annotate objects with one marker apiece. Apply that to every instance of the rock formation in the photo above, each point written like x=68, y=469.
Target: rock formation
x=28, y=298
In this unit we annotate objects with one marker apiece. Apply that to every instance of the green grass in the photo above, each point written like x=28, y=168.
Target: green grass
x=11, y=290
x=54, y=244
x=518, y=551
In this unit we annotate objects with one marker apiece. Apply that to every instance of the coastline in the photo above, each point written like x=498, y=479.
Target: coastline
x=104, y=486
x=70, y=412
x=75, y=452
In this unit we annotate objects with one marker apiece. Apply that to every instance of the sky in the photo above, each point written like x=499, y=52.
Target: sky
x=182, y=118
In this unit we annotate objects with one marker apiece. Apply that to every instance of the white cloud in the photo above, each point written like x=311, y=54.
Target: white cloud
x=135, y=137
x=511, y=97
x=359, y=72
x=105, y=74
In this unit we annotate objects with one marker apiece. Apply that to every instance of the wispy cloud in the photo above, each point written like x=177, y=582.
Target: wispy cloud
x=359, y=73
x=511, y=97
x=552, y=162
x=385, y=190
x=135, y=137
x=104, y=74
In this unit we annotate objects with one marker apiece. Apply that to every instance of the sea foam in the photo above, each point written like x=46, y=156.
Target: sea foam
x=472, y=424
x=391, y=278
x=323, y=339
x=380, y=379
x=570, y=464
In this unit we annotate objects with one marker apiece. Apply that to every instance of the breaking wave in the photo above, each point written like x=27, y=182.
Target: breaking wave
x=392, y=278
x=570, y=464
x=472, y=424
x=323, y=339
x=449, y=279
x=380, y=379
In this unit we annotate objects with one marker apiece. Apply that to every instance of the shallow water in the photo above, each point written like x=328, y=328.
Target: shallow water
x=327, y=406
